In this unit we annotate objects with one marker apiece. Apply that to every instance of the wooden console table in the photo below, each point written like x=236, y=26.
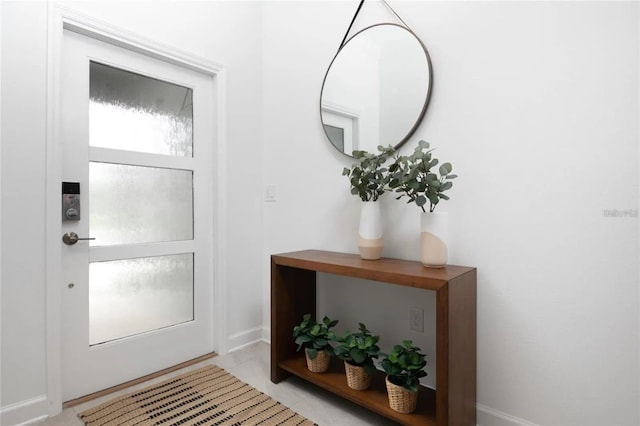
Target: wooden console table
x=293, y=294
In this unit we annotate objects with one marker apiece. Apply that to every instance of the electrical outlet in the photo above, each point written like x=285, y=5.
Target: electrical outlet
x=416, y=320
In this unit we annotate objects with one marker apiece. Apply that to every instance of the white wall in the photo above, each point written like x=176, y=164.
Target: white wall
x=23, y=168
x=536, y=106
x=227, y=33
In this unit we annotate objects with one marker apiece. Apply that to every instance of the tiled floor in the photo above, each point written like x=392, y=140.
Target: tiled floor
x=251, y=365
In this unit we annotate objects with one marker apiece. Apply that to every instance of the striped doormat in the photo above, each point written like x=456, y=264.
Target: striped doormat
x=207, y=396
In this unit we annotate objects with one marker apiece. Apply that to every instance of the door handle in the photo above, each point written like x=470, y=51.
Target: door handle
x=70, y=238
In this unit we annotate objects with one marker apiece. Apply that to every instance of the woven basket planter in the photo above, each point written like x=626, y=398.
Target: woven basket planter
x=400, y=399
x=319, y=364
x=357, y=378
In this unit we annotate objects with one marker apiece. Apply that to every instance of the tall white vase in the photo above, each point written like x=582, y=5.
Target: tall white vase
x=370, y=231
x=433, y=239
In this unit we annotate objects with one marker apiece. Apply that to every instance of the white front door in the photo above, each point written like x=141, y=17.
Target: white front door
x=137, y=135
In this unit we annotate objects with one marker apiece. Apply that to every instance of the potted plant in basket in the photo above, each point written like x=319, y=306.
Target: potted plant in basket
x=358, y=350
x=404, y=367
x=314, y=338
x=413, y=177
x=369, y=178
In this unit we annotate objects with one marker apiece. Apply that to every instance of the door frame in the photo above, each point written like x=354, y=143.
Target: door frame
x=60, y=19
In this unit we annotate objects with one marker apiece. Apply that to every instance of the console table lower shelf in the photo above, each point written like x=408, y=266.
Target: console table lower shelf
x=375, y=398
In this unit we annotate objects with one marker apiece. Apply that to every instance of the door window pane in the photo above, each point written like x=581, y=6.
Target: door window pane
x=133, y=204
x=133, y=112
x=133, y=296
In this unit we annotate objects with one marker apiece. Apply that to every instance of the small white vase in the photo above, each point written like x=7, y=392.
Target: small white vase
x=370, y=231
x=433, y=239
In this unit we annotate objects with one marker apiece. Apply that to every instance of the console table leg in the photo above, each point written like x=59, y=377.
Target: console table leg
x=293, y=294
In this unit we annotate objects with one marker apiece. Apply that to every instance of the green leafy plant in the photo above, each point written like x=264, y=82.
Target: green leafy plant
x=314, y=336
x=412, y=176
x=359, y=349
x=405, y=365
x=368, y=176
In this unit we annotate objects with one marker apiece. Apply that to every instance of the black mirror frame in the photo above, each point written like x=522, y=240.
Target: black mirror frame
x=429, y=88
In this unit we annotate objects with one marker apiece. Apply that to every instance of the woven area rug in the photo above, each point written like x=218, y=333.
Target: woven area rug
x=207, y=396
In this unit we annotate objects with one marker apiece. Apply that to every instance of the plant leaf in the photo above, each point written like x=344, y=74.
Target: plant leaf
x=320, y=343
x=358, y=355
x=446, y=168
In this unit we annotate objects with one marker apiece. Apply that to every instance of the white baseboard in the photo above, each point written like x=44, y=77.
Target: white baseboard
x=240, y=340
x=489, y=417
x=24, y=412
x=266, y=335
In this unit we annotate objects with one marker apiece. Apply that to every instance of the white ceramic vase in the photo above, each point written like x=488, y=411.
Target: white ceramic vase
x=433, y=239
x=370, y=231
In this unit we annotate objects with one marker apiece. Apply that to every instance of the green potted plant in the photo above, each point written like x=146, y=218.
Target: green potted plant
x=415, y=177
x=368, y=179
x=358, y=350
x=404, y=367
x=315, y=338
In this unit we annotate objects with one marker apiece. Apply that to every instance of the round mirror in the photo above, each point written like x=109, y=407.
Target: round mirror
x=376, y=89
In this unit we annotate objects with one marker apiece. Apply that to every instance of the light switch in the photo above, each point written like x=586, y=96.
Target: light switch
x=270, y=193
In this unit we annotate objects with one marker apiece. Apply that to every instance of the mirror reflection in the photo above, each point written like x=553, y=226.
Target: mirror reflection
x=376, y=89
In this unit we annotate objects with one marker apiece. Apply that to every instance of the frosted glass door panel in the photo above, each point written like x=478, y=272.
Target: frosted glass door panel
x=133, y=204
x=133, y=112
x=133, y=296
